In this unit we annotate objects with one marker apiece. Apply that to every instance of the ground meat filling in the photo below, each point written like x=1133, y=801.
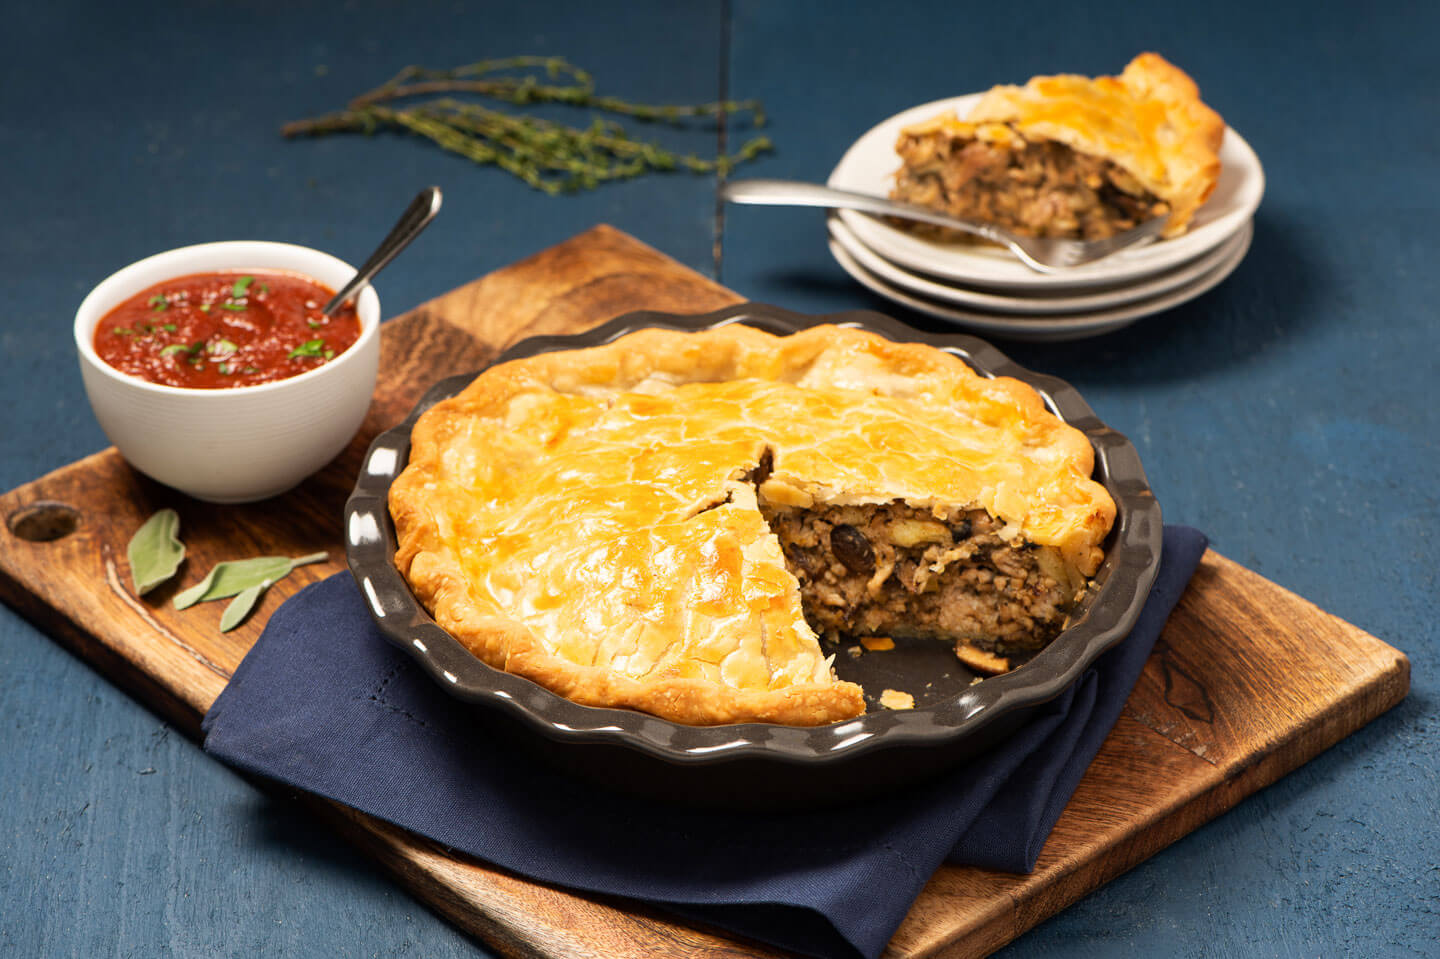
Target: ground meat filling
x=1041, y=188
x=894, y=570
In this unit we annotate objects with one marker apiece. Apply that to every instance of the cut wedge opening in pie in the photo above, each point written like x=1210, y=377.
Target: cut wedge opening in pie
x=684, y=523
x=893, y=570
x=1068, y=156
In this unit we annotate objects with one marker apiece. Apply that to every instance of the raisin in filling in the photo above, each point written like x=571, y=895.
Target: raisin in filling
x=1041, y=188
x=895, y=570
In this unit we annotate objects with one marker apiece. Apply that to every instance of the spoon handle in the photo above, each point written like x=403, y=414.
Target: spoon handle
x=416, y=217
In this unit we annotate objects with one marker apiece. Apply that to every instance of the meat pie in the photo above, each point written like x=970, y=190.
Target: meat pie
x=1068, y=156
x=680, y=523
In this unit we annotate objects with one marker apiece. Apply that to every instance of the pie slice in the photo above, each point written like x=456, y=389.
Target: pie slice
x=677, y=522
x=1069, y=156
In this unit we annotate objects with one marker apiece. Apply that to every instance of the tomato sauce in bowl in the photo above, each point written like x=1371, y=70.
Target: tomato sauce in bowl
x=225, y=329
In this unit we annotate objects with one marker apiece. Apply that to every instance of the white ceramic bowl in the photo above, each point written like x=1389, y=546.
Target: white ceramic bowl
x=244, y=443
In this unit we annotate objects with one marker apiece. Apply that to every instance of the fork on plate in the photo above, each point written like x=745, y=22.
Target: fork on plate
x=1041, y=253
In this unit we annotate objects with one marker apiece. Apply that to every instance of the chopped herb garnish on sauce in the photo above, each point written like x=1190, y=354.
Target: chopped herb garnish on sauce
x=221, y=348
x=158, y=302
x=310, y=348
x=238, y=290
x=232, y=307
x=123, y=331
x=190, y=350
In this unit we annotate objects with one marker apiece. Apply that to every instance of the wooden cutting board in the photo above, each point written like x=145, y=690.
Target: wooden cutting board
x=1247, y=682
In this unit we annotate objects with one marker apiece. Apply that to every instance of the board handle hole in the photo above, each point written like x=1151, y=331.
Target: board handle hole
x=43, y=522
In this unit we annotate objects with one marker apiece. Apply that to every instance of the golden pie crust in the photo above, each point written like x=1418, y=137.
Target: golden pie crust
x=1149, y=121
x=589, y=519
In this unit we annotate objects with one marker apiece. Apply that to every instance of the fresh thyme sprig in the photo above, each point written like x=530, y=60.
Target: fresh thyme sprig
x=549, y=156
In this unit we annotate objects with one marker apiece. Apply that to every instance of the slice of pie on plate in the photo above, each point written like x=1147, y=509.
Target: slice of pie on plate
x=680, y=522
x=1069, y=156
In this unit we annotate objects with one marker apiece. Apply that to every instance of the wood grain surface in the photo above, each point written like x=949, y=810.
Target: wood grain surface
x=1247, y=682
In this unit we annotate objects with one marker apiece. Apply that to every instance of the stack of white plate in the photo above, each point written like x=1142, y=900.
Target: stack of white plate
x=986, y=289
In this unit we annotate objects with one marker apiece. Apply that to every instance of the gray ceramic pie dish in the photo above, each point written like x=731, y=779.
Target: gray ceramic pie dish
x=756, y=764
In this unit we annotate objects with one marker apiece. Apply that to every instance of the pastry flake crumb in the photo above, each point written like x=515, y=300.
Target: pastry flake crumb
x=895, y=699
x=980, y=660
x=875, y=643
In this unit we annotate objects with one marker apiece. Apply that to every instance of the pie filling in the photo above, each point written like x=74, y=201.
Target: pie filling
x=893, y=569
x=1035, y=188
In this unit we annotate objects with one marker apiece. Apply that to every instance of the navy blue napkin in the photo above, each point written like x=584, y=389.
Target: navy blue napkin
x=325, y=704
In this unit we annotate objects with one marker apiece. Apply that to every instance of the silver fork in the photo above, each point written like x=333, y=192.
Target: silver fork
x=1040, y=253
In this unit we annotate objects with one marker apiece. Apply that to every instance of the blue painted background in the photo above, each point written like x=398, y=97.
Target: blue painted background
x=1289, y=413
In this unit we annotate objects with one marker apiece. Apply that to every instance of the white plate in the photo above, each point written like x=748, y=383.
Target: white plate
x=1055, y=327
x=1042, y=302
x=870, y=164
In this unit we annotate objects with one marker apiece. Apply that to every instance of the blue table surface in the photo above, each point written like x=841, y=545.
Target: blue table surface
x=1282, y=412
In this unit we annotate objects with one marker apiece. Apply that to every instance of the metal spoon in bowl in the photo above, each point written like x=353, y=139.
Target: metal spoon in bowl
x=1041, y=254
x=417, y=216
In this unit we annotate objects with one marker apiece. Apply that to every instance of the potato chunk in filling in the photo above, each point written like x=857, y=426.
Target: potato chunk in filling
x=895, y=570
x=1035, y=188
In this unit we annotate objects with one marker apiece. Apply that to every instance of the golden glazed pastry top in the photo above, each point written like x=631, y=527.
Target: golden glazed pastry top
x=1149, y=121
x=589, y=519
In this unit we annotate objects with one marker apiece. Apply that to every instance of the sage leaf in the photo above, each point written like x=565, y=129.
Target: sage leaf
x=155, y=551
x=233, y=577
x=240, y=607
